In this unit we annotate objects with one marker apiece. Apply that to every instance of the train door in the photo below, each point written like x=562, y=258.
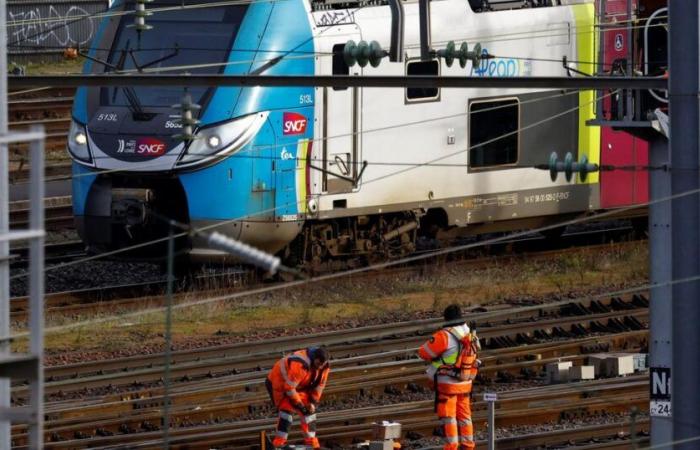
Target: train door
x=340, y=140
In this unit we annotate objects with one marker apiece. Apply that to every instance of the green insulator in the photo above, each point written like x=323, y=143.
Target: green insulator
x=376, y=53
x=449, y=53
x=362, y=53
x=553, y=170
x=583, y=168
x=463, y=55
x=568, y=166
x=475, y=55
x=349, y=53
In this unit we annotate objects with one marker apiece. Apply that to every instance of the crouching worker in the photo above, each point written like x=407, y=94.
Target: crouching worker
x=452, y=352
x=295, y=384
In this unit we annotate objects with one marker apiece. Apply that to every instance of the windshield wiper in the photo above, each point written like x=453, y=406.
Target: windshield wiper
x=155, y=61
x=131, y=97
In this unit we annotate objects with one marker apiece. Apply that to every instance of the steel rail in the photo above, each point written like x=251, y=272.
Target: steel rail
x=243, y=351
x=17, y=81
x=382, y=365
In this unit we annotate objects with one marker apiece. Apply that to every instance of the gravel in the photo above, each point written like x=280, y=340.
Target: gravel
x=89, y=275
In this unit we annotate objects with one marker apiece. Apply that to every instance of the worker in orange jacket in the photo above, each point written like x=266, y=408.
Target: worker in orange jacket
x=452, y=352
x=295, y=384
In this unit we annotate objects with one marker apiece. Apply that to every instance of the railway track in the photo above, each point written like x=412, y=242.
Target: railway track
x=49, y=107
x=58, y=212
x=343, y=426
x=218, y=386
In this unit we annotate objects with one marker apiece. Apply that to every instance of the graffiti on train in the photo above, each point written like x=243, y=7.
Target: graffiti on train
x=502, y=67
x=55, y=26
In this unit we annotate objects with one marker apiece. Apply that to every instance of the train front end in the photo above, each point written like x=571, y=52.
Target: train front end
x=244, y=173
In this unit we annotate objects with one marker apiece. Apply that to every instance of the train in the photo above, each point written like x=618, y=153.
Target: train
x=322, y=175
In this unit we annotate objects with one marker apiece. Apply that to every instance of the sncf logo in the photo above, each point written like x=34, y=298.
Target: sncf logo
x=293, y=123
x=150, y=147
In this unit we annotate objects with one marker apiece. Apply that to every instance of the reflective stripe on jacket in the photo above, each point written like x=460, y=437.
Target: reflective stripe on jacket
x=442, y=349
x=293, y=374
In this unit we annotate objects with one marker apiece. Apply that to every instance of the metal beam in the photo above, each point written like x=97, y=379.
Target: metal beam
x=685, y=160
x=660, y=257
x=339, y=81
x=397, y=30
x=424, y=26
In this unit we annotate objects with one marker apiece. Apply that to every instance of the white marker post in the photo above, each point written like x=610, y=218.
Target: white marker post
x=490, y=398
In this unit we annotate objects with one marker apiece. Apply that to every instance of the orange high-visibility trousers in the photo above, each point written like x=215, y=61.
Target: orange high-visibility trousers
x=455, y=414
x=285, y=418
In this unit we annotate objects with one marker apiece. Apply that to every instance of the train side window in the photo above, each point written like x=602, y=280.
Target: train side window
x=494, y=124
x=339, y=66
x=422, y=68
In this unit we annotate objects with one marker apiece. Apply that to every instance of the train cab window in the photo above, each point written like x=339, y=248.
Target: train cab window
x=494, y=124
x=339, y=65
x=422, y=68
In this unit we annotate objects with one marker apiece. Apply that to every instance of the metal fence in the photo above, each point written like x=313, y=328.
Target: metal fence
x=40, y=30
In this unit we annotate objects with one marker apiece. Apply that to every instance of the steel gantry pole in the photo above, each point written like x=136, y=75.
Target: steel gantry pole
x=685, y=161
x=660, y=307
x=4, y=228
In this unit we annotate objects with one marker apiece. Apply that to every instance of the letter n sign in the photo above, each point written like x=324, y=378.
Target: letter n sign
x=660, y=391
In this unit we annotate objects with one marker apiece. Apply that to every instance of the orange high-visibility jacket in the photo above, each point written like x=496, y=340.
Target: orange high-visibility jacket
x=442, y=348
x=293, y=374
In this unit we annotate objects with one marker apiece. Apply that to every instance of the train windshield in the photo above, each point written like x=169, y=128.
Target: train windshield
x=196, y=40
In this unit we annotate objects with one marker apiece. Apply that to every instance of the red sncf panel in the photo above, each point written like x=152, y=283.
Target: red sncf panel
x=620, y=187
x=623, y=187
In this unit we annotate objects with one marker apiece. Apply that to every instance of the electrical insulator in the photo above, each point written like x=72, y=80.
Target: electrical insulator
x=363, y=53
x=244, y=252
x=186, y=119
x=569, y=167
x=140, y=15
x=450, y=53
x=465, y=55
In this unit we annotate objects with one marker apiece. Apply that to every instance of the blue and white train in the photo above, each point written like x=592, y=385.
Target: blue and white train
x=284, y=168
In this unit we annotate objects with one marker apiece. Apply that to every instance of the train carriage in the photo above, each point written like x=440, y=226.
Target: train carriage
x=339, y=174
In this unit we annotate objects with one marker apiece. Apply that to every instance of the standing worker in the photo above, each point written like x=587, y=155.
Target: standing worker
x=452, y=352
x=296, y=383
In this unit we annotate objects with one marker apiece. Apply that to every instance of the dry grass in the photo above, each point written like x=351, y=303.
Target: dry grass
x=351, y=299
x=63, y=67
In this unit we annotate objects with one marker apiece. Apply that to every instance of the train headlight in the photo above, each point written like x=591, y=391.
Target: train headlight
x=222, y=139
x=214, y=141
x=78, y=143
